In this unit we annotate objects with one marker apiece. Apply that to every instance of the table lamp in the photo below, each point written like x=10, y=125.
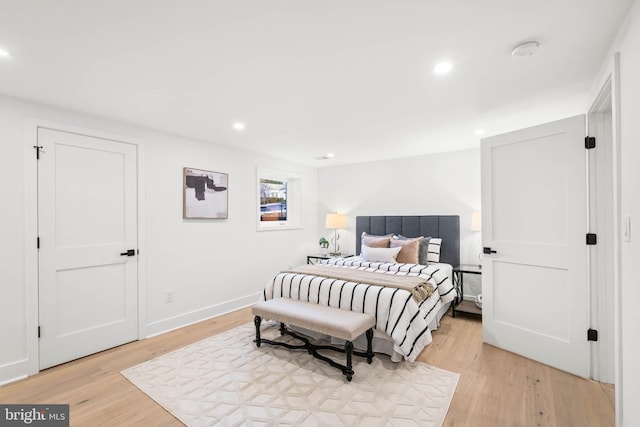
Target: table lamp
x=476, y=225
x=334, y=222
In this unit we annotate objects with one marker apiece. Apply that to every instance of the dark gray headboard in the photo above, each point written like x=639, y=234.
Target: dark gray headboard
x=447, y=227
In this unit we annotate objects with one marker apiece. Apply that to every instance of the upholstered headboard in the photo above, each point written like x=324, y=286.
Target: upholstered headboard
x=447, y=227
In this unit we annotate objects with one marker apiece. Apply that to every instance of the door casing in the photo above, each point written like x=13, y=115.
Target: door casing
x=610, y=75
x=601, y=211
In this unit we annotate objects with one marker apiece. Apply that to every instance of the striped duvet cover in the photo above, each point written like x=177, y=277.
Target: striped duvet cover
x=397, y=314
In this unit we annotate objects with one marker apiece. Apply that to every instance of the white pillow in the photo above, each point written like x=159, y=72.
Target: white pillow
x=380, y=254
x=433, y=251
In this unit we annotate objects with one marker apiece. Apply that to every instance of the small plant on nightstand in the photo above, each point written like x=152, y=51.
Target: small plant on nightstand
x=324, y=245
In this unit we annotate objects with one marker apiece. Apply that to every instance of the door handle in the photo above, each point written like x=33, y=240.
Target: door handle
x=130, y=252
x=488, y=251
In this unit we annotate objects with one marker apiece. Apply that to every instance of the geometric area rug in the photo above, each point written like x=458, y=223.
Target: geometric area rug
x=225, y=380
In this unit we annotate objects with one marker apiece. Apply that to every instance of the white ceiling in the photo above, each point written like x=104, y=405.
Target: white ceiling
x=351, y=77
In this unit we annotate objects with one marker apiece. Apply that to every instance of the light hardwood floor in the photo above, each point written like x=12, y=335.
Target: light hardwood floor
x=496, y=388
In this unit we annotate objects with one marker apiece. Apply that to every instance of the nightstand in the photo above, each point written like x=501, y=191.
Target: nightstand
x=459, y=304
x=313, y=259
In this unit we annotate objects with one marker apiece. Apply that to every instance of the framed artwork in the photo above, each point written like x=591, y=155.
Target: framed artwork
x=205, y=194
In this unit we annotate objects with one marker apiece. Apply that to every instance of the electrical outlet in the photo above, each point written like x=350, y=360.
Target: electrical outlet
x=168, y=297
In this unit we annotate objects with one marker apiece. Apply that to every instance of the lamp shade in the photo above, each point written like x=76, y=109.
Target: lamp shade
x=476, y=221
x=335, y=221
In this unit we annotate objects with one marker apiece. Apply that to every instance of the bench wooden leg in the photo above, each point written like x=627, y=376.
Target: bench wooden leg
x=257, y=320
x=348, y=348
x=369, y=345
x=312, y=349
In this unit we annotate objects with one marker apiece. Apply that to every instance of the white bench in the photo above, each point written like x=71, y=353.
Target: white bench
x=343, y=324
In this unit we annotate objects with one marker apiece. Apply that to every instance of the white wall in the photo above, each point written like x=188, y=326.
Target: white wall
x=436, y=184
x=630, y=205
x=203, y=262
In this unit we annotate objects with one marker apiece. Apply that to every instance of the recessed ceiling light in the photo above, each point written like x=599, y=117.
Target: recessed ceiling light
x=329, y=156
x=4, y=53
x=525, y=48
x=480, y=131
x=443, y=67
x=238, y=126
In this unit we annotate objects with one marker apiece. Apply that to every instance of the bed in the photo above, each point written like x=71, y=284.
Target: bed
x=403, y=323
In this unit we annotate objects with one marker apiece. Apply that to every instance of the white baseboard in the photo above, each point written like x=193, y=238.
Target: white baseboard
x=186, y=319
x=14, y=371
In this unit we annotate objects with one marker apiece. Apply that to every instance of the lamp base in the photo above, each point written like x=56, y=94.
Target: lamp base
x=336, y=246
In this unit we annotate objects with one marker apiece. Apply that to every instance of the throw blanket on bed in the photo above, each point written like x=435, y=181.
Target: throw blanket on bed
x=443, y=285
x=419, y=287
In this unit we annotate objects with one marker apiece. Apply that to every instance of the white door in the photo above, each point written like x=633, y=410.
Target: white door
x=535, y=289
x=86, y=219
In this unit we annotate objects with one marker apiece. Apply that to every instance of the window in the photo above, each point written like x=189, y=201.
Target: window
x=279, y=199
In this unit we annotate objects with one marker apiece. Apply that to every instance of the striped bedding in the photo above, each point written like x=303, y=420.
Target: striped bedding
x=397, y=313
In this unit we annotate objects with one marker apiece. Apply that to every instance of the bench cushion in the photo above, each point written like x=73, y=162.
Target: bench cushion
x=343, y=324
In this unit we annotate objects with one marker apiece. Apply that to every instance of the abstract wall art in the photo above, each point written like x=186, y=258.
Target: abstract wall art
x=205, y=194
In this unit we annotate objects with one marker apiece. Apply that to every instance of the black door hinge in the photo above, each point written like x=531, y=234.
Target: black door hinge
x=38, y=331
x=589, y=142
x=38, y=242
x=592, y=239
x=592, y=335
x=38, y=149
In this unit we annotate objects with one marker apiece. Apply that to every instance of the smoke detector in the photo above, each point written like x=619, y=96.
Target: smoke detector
x=325, y=157
x=525, y=48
